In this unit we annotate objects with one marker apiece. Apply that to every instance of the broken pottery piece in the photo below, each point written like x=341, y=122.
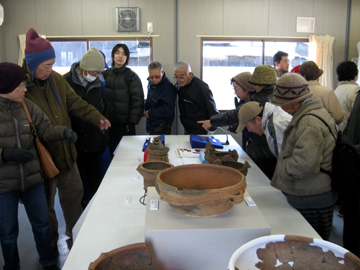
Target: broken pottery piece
x=241, y=167
x=215, y=156
x=157, y=151
x=134, y=257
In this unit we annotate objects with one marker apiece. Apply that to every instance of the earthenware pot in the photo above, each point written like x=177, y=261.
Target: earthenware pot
x=214, y=156
x=150, y=169
x=201, y=189
x=134, y=257
x=241, y=167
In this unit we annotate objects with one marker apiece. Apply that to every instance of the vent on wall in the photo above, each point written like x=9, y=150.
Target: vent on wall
x=128, y=19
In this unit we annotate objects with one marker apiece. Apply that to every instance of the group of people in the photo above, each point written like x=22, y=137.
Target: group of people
x=290, y=125
x=89, y=109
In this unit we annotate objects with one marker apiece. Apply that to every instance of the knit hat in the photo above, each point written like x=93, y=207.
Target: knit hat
x=291, y=88
x=295, y=69
x=92, y=60
x=310, y=71
x=37, y=51
x=247, y=112
x=11, y=75
x=263, y=75
x=242, y=79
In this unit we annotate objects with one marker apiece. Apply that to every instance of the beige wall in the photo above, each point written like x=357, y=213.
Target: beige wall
x=195, y=17
x=354, y=29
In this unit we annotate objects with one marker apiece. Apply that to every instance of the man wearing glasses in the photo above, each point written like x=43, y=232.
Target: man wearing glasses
x=196, y=100
x=160, y=101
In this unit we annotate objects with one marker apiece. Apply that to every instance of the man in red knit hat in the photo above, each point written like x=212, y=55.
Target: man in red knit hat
x=51, y=92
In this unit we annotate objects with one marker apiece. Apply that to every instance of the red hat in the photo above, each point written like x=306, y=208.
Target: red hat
x=37, y=50
x=295, y=69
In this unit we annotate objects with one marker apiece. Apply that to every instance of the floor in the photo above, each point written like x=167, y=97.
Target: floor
x=29, y=257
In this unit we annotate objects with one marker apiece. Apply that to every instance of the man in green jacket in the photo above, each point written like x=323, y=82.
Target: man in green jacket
x=51, y=92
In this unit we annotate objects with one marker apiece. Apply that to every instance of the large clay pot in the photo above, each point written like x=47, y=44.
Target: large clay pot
x=149, y=170
x=134, y=257
x=201, y=189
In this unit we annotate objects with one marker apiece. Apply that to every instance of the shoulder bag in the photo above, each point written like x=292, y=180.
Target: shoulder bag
x=47, y=164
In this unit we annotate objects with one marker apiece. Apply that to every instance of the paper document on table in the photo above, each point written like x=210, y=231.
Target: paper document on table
x=184, y=152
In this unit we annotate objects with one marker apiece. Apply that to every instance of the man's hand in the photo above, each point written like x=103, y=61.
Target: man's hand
x=70, y=135
x=146, y=114
x=205, y=124
x=104, y=124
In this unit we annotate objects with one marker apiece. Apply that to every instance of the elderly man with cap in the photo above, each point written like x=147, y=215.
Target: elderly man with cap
x=303, y=166
x=20, y=171
x=270, y=120
x=87, y=81
x=311, y=72
x=263, y=80
x=51, y=92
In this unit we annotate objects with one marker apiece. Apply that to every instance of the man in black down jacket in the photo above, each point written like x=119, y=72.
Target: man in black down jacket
x=85, y=79
x=351, y=181
x=196, y=101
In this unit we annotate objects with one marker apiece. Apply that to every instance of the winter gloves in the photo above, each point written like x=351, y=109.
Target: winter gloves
x=21, y=155
x=70, y=135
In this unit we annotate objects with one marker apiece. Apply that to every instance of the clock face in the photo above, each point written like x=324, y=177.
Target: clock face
x=1, y=14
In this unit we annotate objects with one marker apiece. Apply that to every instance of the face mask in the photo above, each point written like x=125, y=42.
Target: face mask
x=90, y=78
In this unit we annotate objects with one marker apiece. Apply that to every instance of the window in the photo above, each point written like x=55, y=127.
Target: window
x=223, y=59
x=70, y=51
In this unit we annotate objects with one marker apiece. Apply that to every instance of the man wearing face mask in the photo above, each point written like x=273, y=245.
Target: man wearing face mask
x=86, y=80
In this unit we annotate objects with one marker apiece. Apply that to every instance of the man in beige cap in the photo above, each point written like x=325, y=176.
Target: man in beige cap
x=270, y=120
x=303, y=166
x=87, y=81
x=311, y=72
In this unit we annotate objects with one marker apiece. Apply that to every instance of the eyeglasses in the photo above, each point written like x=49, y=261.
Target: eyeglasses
x=94, y=73
x=155, y=77
x=181, y=78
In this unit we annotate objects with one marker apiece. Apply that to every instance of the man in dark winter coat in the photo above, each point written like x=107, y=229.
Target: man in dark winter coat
x=196, y=101
x=160, y=101
x=124, y=96
x=351, y=181
x=85, y=79
x=264, y=80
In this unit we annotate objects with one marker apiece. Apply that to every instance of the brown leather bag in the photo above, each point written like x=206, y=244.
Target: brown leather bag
x=47, y=164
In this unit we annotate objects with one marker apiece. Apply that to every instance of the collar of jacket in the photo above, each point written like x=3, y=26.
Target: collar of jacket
x=348, y=82
x=120, y=70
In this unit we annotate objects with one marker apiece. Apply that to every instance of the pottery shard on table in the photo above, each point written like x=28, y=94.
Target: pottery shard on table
x=157, y=151
x=134, y=257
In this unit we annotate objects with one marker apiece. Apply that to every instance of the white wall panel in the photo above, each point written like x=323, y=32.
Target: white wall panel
x=246, y=18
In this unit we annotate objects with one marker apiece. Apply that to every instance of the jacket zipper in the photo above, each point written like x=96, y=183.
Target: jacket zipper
x=21, y=169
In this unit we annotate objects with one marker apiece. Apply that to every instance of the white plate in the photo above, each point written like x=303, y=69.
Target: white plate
x=245, y=257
